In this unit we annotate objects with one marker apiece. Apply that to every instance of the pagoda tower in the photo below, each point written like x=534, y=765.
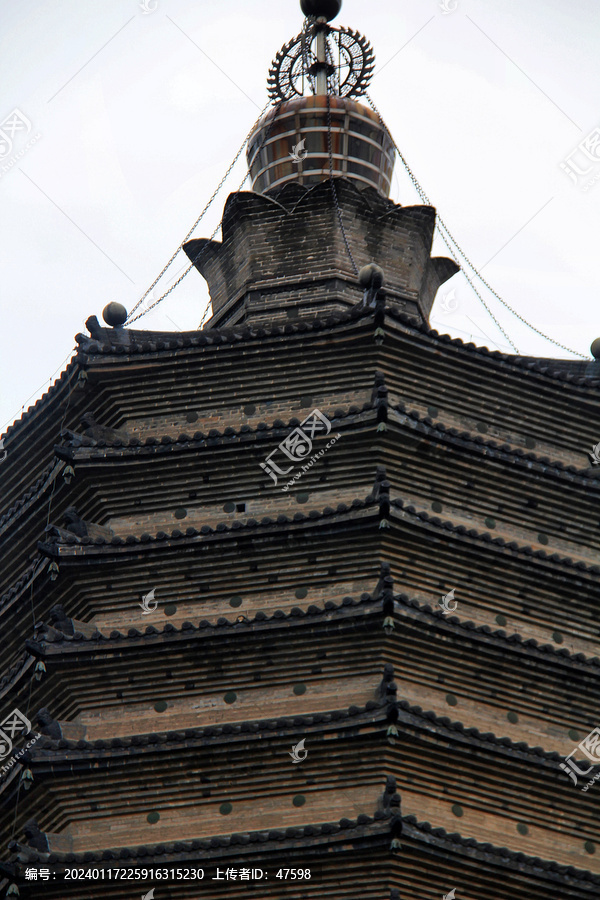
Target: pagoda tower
x=305, y=600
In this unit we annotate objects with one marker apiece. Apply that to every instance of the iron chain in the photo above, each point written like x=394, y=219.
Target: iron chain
x=456, y=248
x=333, y=190
x=214, y=194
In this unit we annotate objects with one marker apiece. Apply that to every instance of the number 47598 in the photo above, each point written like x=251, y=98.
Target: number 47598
x=293, y=873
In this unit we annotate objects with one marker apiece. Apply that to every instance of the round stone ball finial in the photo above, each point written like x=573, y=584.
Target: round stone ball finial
x=317, y=8
x=595, y=348
x=114, y=314
x=371, y=276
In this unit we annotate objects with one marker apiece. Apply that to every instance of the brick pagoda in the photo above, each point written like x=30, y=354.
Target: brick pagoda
x=223, y=543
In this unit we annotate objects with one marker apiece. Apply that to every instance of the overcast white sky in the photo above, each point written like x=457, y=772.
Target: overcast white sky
x=135, y=116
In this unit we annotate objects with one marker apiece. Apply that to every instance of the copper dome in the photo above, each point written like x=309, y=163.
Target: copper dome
x=361, y=148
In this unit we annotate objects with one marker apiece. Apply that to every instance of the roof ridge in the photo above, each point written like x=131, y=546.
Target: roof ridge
x=33, y=492
x=236, y=333
x=278, y=615
x=426, y=423
x=222, y=527
x=487, y=538
x=247, y=727
x=214, y=435
x=487, y=631
x=220, y=841
x=522, y=363
x=23, y=580
x=149, y=341
x=62, y=380
x=534, y=862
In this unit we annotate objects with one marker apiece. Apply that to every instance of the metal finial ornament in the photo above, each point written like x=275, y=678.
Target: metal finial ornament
x=316, y=8
x=347, y=62
x=114, y=314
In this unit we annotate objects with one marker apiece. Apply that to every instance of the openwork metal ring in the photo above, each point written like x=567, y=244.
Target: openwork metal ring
x=350, y=60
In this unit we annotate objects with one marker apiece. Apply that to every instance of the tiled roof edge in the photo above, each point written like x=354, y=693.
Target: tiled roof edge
x=440, y=432
x=233, y=334
x=487, y=538
x=521, y=364
x=204, y=530
x=377, y=708
x=235, y=839
x=249, y=727
x=61, y=382
x=18, y=669
x=213, y=436
x=497, y=633
x=261, y=618
x=24, y=580
x=380, y=823
x=32, y=493
x=151, y=342
x=417, y=829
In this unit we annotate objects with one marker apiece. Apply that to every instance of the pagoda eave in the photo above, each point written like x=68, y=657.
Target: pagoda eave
x=424, y=848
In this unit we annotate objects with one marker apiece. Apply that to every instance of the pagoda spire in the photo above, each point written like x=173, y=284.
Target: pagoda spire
x=318, y=231
x=322, y=11
x=317, y=129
